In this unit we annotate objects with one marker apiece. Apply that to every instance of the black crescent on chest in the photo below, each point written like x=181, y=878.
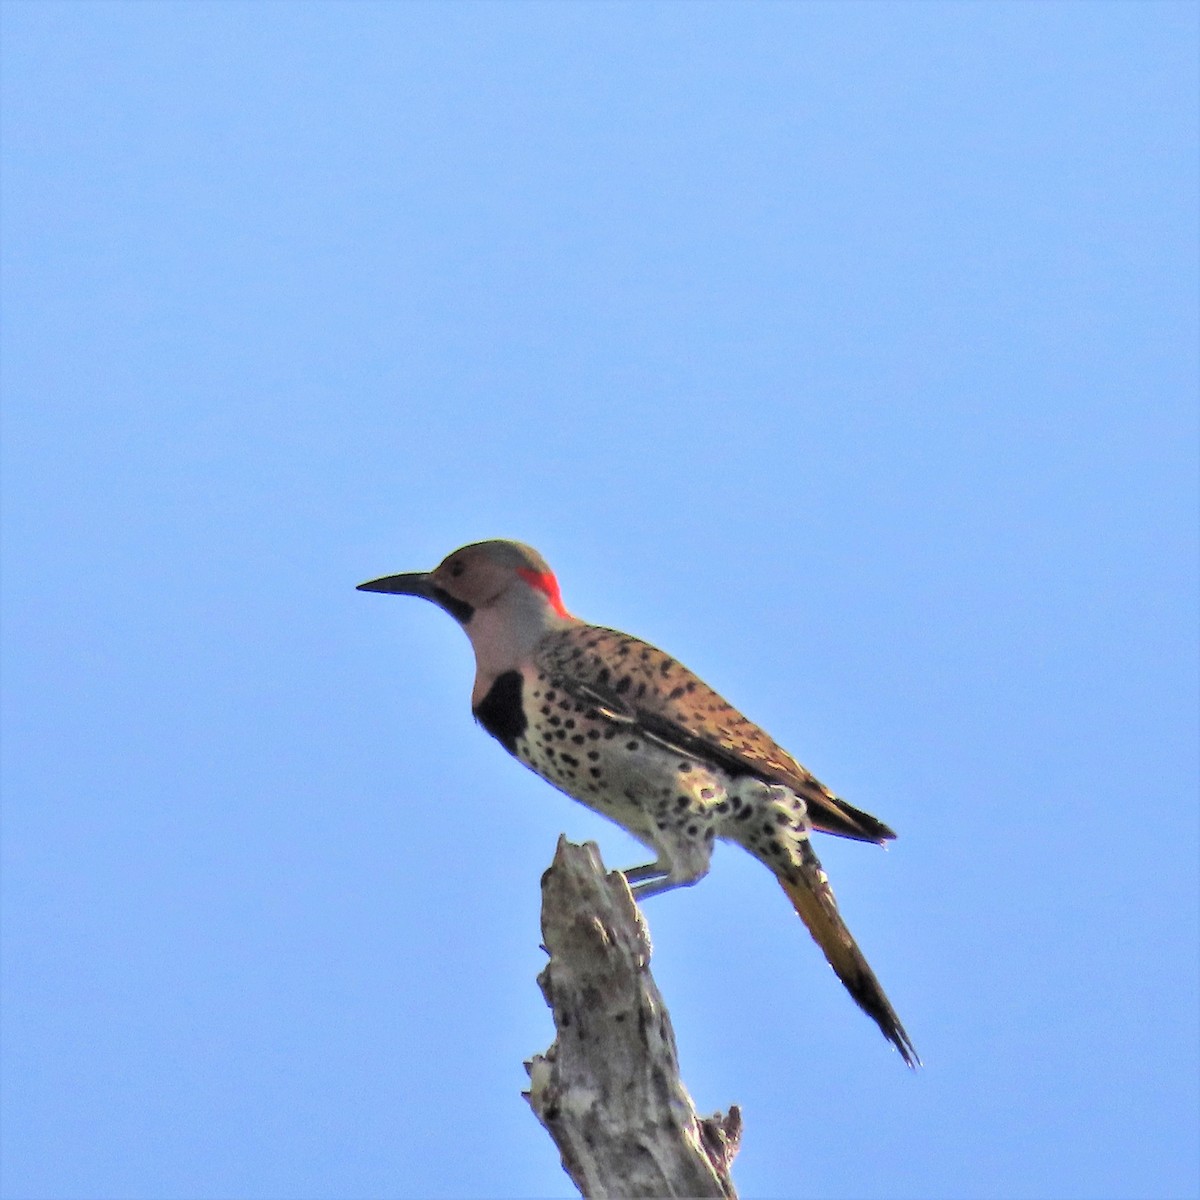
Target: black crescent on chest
x=501, y=712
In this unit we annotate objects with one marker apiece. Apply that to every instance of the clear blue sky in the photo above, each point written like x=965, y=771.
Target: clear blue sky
x=849, y=352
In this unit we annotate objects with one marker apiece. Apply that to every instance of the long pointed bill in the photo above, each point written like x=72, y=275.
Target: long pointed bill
x=420, y=583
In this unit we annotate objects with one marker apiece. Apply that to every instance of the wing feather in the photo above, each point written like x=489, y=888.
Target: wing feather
x=633, y=681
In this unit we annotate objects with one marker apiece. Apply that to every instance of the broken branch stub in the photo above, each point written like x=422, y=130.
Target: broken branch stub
x=608, y=1089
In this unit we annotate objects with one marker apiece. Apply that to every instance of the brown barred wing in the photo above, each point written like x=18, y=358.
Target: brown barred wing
x=637, y=682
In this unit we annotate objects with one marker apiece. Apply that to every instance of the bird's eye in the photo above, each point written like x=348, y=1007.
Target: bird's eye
x=456, y=569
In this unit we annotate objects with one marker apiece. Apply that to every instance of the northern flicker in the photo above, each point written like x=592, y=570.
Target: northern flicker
x=625, y=729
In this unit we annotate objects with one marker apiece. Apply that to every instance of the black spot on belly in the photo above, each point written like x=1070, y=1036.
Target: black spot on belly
x=500, y=711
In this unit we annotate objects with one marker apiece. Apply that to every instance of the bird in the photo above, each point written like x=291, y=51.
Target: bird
x=631, y=733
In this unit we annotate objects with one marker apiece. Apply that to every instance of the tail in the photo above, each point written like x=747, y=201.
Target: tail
x=832, y=814
x=809, y=891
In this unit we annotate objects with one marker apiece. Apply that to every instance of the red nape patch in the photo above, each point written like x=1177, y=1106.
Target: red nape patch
x=545, y=582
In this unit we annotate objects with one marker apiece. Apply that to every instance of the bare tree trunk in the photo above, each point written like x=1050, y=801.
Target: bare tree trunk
x=608, y=1089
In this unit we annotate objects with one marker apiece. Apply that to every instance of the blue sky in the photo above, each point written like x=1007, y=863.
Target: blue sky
x=849, y=352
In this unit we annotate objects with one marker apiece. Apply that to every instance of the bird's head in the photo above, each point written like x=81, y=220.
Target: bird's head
x=506, y=578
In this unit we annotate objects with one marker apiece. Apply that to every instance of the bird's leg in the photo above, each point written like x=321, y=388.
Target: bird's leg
x=649, y=879
x=645, y=871
x=652, y=887
x=683, y=855
x=660, y=876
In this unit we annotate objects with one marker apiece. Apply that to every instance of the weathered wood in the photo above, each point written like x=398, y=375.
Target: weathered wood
x=608, y=1089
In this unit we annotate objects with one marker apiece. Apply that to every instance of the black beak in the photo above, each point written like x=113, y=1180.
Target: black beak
x=420, y=583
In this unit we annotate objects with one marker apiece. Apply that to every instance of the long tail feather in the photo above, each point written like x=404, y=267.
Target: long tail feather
x=810, y=893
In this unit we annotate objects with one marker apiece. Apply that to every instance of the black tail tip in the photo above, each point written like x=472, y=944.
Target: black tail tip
x=903, y=1044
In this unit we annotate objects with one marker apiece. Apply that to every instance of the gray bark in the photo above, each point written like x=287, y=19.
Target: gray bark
x=608, y=1089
